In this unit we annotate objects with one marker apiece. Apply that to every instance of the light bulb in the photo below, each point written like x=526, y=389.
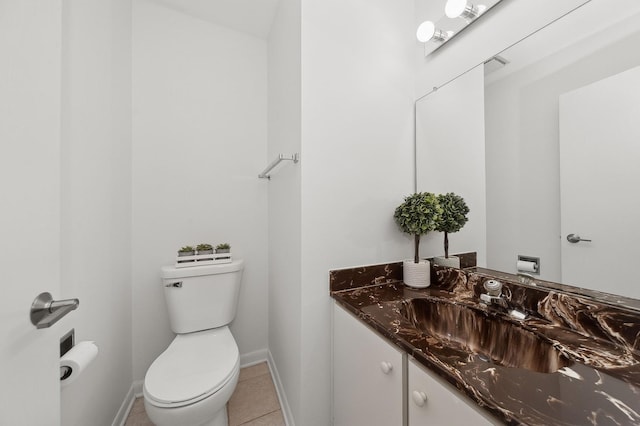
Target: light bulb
x=463, y=9
x=428, y=31
x=454, y=8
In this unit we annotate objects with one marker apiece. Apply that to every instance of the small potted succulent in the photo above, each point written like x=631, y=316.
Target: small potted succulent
x=186, y=251
x=223, y=248
x=417, y=215
x=204, y=248
x=452, y=219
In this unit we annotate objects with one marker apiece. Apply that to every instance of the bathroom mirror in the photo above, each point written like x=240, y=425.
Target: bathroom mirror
x=544, y=140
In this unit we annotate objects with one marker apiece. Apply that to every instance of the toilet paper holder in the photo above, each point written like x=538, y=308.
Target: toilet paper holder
x=45, y=311
x=532, y=261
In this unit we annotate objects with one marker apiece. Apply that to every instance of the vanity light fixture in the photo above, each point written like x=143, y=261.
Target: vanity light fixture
x=437, y=32
x=463, y=9
x=428, y=31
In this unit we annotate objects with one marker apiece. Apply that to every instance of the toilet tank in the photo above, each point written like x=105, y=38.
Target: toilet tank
x=201, y=297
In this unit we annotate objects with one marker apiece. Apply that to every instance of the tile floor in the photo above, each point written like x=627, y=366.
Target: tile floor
x=253, y=403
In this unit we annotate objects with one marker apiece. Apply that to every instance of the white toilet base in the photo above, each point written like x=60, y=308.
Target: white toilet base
x=221, y=419
x=211, y=411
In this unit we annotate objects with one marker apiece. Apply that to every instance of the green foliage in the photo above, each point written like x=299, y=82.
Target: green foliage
x=223, y=246
x=186, y=249
x=418, y=214
x=454, y=213
x=204, y=246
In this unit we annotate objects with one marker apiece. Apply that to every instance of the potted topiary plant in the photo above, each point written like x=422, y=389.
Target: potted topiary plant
x=186, y=251
x=223, y=248
x=417, y=215
x=204, y=248
x=452, y=219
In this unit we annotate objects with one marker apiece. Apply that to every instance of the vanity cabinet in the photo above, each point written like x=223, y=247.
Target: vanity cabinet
x=433, y=402
x=367, y=375
x=374, y=383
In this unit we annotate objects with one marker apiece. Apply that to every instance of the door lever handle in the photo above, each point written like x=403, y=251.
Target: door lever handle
x=45, y=311
x=575, y=238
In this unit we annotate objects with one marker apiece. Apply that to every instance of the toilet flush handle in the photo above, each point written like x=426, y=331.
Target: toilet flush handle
x=177, y=284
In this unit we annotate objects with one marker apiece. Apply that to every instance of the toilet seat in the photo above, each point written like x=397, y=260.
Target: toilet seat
x=192, y=368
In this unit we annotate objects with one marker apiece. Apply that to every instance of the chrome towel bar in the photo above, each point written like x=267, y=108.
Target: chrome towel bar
x=274, y=163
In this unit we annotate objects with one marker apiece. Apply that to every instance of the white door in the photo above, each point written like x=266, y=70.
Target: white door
x=30, y=207
x=599, y=183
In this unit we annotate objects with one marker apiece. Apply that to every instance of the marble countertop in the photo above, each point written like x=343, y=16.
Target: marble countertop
x=582, y=358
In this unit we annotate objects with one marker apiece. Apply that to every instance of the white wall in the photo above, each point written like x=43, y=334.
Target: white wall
x=358, y=74
x=285, y=307
x=96, y=201
x=199, y=142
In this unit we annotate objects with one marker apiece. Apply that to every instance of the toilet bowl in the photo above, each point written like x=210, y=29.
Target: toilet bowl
x=190, y=383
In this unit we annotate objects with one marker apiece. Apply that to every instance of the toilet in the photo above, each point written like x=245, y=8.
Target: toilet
x=190, y=383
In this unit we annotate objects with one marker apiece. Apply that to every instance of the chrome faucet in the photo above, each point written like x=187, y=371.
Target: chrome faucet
x=494, y=296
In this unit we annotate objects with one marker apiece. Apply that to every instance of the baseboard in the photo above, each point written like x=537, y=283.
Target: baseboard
x=253, y=358
x=125, y=408
x=137, y=388
x=284, y=404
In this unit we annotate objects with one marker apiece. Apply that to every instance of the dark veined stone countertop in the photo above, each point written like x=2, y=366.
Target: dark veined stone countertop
x=573, y=360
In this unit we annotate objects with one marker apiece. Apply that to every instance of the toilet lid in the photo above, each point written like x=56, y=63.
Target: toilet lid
x=194, y=366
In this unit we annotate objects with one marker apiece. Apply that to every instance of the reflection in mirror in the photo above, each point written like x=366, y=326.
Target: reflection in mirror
x=559, y=141
x=454, y=158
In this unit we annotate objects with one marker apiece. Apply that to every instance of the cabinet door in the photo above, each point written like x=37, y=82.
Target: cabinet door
x=435, y=402
x=367, y=375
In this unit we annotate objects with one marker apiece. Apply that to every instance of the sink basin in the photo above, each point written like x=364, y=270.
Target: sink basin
x=490, y=339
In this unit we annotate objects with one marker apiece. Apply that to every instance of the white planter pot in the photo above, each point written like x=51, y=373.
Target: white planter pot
x=417, y=275
x=450, y=262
